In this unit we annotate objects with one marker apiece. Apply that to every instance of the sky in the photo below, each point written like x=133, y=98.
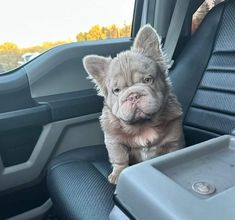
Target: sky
x=30, y=22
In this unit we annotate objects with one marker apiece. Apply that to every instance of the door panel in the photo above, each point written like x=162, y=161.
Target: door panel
x=37, y=115
x=74, y=130
x=14, y=91
x=51, y=108
x=52, y=135
x=24, y=199
x=18, y=144
x=60, y=70
x=73, y=104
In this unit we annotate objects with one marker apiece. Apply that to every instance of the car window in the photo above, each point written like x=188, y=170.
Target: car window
x=202, y=11
x=31, y=27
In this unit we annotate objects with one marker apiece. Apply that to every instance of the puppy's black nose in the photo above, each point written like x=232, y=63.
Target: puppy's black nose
x=133, y=97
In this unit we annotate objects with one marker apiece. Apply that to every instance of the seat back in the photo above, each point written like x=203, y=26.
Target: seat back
x=204, y=77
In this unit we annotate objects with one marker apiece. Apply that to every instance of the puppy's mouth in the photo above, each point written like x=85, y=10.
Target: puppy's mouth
x=136, y=106
x=138, y=120
x=134, y=122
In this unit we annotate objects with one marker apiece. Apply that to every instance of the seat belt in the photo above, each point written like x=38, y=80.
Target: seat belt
x=176, y=25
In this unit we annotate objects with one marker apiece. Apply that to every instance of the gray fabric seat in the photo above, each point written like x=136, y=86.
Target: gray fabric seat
x=78, y=184
x=203, y=80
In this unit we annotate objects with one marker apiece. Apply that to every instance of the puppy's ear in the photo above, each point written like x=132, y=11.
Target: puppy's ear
x=148, y=43
x=97, y=67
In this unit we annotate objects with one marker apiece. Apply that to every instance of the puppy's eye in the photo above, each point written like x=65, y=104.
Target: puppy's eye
x=148, y=80
x=116, y=91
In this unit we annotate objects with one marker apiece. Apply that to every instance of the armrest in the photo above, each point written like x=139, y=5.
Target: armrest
x=161, y=188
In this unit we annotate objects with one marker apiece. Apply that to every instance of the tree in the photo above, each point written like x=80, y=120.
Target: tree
x=8, y=47
x=95, y=33
x=114, y=31
x=81, y=36
x=98, y=32
x=9, y=55
x=125, y=31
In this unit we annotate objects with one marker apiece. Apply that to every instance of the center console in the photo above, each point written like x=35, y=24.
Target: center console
x=197, y=182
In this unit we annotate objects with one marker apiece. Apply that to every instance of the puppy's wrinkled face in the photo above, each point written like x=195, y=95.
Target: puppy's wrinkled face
x=135, y=89
x=134, y=83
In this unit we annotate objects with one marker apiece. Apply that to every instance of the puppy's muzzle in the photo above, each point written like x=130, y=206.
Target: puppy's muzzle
x=133, y=97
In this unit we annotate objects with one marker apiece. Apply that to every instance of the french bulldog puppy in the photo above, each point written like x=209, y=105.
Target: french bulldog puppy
x=141, y=118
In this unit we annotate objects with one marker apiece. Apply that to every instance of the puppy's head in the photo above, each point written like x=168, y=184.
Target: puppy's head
x=134, y=84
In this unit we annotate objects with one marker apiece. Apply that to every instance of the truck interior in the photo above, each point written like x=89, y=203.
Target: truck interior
x=53, y=161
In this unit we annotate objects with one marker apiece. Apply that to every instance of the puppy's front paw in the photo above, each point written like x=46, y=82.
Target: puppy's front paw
x=113, y=178
x=117, y=169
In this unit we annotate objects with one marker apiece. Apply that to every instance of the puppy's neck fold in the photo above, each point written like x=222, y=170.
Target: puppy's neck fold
x=170, y=110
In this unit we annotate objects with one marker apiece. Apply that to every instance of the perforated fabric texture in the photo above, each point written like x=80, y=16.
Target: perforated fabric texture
x=225, y=38
x=213, y=106
x=78, y=187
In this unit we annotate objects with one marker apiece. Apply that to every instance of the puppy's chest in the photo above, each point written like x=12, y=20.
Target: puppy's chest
x=144, y=146
x=145, y=139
